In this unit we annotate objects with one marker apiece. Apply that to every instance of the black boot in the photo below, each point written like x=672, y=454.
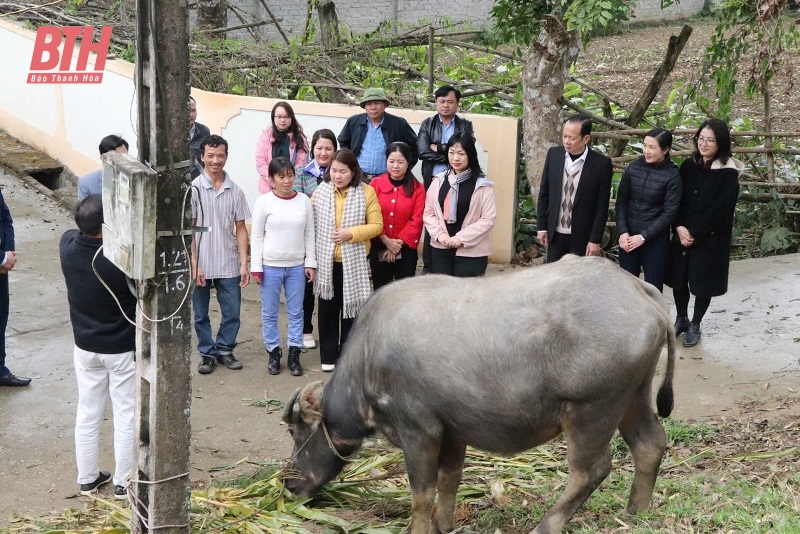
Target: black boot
x=294, y=361
x=681, y=325
x=274, y=365
x=692, y=335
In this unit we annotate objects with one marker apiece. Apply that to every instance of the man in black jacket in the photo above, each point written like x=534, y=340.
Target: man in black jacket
x=572, y=207
x=197, y=132
x=8, y=257
x=368, y=134
x=105, y=345
x=434, y=132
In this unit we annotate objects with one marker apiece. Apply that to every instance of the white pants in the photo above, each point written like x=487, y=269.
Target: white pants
x=100, y=376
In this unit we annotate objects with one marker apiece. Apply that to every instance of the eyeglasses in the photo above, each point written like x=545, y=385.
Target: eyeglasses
x=282, y=117
x=706, y=141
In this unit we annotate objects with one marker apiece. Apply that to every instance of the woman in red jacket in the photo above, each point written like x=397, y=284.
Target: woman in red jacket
x=402, y=200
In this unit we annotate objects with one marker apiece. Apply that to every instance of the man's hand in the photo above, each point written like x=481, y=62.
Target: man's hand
x=198, y=276
x=541, y=237
x=245, y=274
x=434, y=147
x=311, y=274
x=257, y=277
x=11, y=260
x=593, y=249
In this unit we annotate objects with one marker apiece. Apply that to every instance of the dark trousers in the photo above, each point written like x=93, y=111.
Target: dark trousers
x=384, y=272
x=561, y=245
x=427, y=262
x=4, y=301
x=445, y=261
x=308, y=308
x=333, y=328
x=651, y=257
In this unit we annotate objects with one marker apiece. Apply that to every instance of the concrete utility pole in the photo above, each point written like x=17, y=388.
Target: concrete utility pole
x=162, y=427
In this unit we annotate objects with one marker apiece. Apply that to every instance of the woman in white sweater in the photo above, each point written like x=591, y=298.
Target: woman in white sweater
x=282, y=254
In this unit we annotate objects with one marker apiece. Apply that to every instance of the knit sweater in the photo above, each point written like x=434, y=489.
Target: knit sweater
x=283, y=232
x=97, y=322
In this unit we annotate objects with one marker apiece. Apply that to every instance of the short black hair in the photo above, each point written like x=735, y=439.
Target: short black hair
x=89, y=215
x=586, y=124
x=213, y=141
x=446, y=90
x=112, y=142
x=279, y=165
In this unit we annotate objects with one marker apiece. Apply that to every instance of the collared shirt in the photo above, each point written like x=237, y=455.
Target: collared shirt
x=447, y=132
x=220, y=210
x=91, y=184
x=372, y=157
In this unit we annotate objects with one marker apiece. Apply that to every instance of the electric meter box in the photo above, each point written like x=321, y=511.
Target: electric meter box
x=129, y=215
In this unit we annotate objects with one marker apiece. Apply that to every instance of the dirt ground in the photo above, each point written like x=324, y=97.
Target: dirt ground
x=749, y=353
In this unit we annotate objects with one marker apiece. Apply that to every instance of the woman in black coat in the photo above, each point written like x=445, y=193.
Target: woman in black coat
x=648, y=199
x=701, y=243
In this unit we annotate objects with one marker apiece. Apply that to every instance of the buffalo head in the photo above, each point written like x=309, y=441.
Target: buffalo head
x=313, y=461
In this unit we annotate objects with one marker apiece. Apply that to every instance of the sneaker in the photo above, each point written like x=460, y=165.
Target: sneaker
x=102, y=478
x=328, y=367
x=120, y=493
x=207, y=364
x=309, y=342
x=229, y=361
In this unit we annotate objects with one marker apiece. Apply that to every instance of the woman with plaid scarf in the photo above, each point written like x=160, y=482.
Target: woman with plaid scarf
x=347, y=216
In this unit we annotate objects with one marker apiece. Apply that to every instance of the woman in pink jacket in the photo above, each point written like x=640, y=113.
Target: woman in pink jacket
x=460, y=212
x=284, y=139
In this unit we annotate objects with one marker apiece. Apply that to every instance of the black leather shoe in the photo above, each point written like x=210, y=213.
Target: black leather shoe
x=274, y=365
x=206, y=365
x=294, y=361
x=681, y=325
x=229, y=361
x=692, y=337
x=14, y=381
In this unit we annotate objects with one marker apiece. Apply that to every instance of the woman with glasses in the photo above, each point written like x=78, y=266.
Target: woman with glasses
x=648, y=199
x=701, y=240
x=284, y=139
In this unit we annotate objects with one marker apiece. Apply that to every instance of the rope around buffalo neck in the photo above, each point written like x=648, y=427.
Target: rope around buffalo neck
x=330, y=444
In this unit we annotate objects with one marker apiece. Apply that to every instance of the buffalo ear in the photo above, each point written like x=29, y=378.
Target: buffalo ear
x=311, y=403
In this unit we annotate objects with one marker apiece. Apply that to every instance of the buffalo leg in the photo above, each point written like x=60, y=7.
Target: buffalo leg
x=421, y=455
x=451, y=463
x=589, y=459
x=647, y=440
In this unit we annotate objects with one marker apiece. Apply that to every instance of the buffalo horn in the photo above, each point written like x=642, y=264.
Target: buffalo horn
x=288, y=409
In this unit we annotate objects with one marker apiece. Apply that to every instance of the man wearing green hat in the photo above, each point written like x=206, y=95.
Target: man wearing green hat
x=368, y=134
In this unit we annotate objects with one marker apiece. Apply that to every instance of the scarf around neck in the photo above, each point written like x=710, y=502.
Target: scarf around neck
x=450, y=204
x=355, y=269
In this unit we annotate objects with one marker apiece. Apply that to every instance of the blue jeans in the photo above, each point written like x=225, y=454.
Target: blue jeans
x=293, y=279
x=229, y=296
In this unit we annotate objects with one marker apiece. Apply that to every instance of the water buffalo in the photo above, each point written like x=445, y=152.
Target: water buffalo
x=502, y=364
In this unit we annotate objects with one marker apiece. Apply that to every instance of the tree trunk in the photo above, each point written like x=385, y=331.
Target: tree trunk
x=212, y=15
x=543, y=79
x=330, y=37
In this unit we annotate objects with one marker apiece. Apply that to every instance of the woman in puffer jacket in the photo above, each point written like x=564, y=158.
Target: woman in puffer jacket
x=701, y=243
x=648, y=200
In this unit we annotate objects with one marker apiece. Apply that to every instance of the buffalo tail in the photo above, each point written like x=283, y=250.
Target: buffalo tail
x=665, y=400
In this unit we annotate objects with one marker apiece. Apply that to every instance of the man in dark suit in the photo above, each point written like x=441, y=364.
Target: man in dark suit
x=572, y=208
x=197, y=132
x=8, y=257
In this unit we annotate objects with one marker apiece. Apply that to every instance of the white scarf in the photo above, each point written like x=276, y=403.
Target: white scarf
x=355, y=269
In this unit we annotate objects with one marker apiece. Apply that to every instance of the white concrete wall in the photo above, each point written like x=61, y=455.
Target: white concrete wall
x=68, y=121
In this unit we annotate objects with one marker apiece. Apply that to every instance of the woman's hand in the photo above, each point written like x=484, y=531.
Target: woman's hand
x=686, y=238
x=394, y=246
x=634, y=242
x=341, y=235
x=454, y=242
x=623, y=241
